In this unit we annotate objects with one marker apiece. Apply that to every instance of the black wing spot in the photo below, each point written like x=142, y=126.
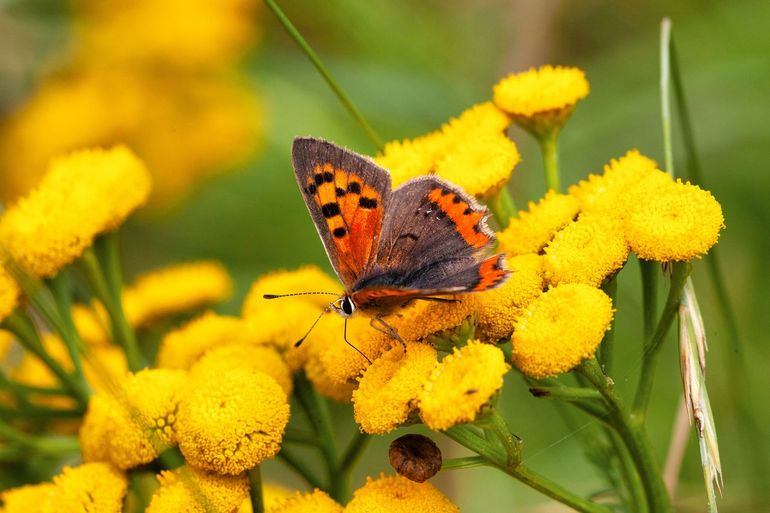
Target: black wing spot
x=339, y=191
x=339, y=232
x=311, y=189
x=354, y=187
x=328, y=177
x=441, y=215
x=456, y=199
x=365, y=202
x=468, y=211
x=319, y=178
x=330, y=210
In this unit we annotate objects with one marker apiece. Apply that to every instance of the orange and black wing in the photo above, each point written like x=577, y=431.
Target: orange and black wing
x=346, y=195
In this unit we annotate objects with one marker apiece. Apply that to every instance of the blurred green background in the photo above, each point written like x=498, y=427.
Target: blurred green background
x=409, y=66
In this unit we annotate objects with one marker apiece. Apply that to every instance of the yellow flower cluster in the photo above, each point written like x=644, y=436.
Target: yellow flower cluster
x=82, y=195
x=313, y=502
x=533, y=228
x=397, y=494
x=471, y=151
x=191, y=490
x=157, y=75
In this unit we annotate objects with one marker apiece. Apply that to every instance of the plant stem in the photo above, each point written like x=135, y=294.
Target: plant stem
x=462, y=463
x=502, y=206
x=680, y=271
x=549, y=148
x=255, y=490
x=631, y=477
x=46, y=446
x=324, y=71
x=607, y=347
x=62, y=293
x=298, y=465
x=466, y=436
x=511, y=443
x=649, y=269
x=578, y=394
x=350, y=457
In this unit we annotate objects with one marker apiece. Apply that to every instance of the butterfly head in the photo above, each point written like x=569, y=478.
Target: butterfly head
x=344, y=306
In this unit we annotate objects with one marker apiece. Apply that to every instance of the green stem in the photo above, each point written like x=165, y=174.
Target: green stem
x=323, y=70
x=549, y=148
x=511, y=443
x=502, y=206
x=466, y=436
x=665, y=104
x=40, y=412
x=45, y=446
x=255, y=490
x=577, y=394
x=463, y=463
x=62, y=293
x=297, y=464
x=649, y=270
x=350, y=457
x=631, y=478
x=607, y=347
x=634, y=436
x=680, y=271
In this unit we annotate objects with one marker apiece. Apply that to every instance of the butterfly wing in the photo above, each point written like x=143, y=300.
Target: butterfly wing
x=346, y=195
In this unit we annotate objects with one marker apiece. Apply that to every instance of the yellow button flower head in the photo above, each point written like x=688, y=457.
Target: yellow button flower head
x=560, y=329
x=681, y=222
x=82, y=195
x=231, y=419
x=131, y=423
x=28, y=499
x=499, y=308
x=586, y=251
x=92, y=324
x=397, y=494
x=191, y=490
x=9, y=293
x=313, y=502
x=480, y=165
x=104, y=366
x=481, y=119
x=422, y=319
x=246, y=356
x=532, y=229
x=411, y=157
x=89, y=488
x=461, y=384
x=182, y=347
x=317, y=373
x=176, y=289
x=541, y=99
x=388, y=390
x=309, y=278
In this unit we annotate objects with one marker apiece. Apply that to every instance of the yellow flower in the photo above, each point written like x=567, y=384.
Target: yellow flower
x=305, y=279
x=313, y=502
x=103, y=366
x=175, y=289
x=130, y=423
x=92, y=324
x=388, y=390
x=28, y=499
x=499, y=308
x=541, y=99
x=272, y=496
x=586, y=251
x=191, y=490
x=480, y=165
x=246, y=356
x=82, y=195
x=410, y=158
x=397, y=494
x=89, y=488
x=9, y=293
x=679, y=222
x=532, y=229
x=231, y=419
x=181, y=348
x=560, y=329
x=318, y=374
x=423, y=319
x=482, y=119
x=461, y=384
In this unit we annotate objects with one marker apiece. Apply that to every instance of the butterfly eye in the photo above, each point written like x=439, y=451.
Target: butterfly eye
x=347, y=306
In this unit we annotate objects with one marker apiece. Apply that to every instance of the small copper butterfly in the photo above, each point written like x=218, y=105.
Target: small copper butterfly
x=427, y=238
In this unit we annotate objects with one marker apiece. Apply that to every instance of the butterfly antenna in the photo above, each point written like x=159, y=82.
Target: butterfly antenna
x=299, y=342
x=345, y=336
x=276, y=296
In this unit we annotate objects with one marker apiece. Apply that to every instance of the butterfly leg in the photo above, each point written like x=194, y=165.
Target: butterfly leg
x=345, y=336
x=379, y=324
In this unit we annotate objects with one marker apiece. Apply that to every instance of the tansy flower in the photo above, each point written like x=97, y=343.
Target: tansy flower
x=191, y=490
x=532, y=229
x=82, y=195
x=679, y=222
x=387, y=392
x=461, y=384
x=103, y=366
x=586, y=251
x=183, y=346
x=9, y=293
x=130, y=423
x=423, y=319
x=247, y=356
x=92, y=324
x=397, y=494
x=305, y=279
x=480, y=165
x=175, y=289
x=29, y=498
x=541, y=99
x=482, y=119
x=560, y=329
x=231, y=419
x=96, y=487
x=411, y=157
x=499, y=308
x=312, y=502
x=318, y=374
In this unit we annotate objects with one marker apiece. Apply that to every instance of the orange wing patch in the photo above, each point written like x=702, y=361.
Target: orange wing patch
x=467, y=221
x=492, y=272
x=353, y=214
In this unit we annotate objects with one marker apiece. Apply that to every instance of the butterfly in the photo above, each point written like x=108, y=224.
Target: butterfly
x=426, y=238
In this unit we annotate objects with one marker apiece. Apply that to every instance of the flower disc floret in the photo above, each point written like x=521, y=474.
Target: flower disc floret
x=680, y=223
x=397, y=494
x=182, y=347
x=231, y=419
x=312, y=502
x=89, y=488
x=82, y=195
x=560, y=329
x=533, y=228
x=387, y=392
x=29, y=498
x=190, y=490
x=536, y=91
x=461, y=384
x=247, y=356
